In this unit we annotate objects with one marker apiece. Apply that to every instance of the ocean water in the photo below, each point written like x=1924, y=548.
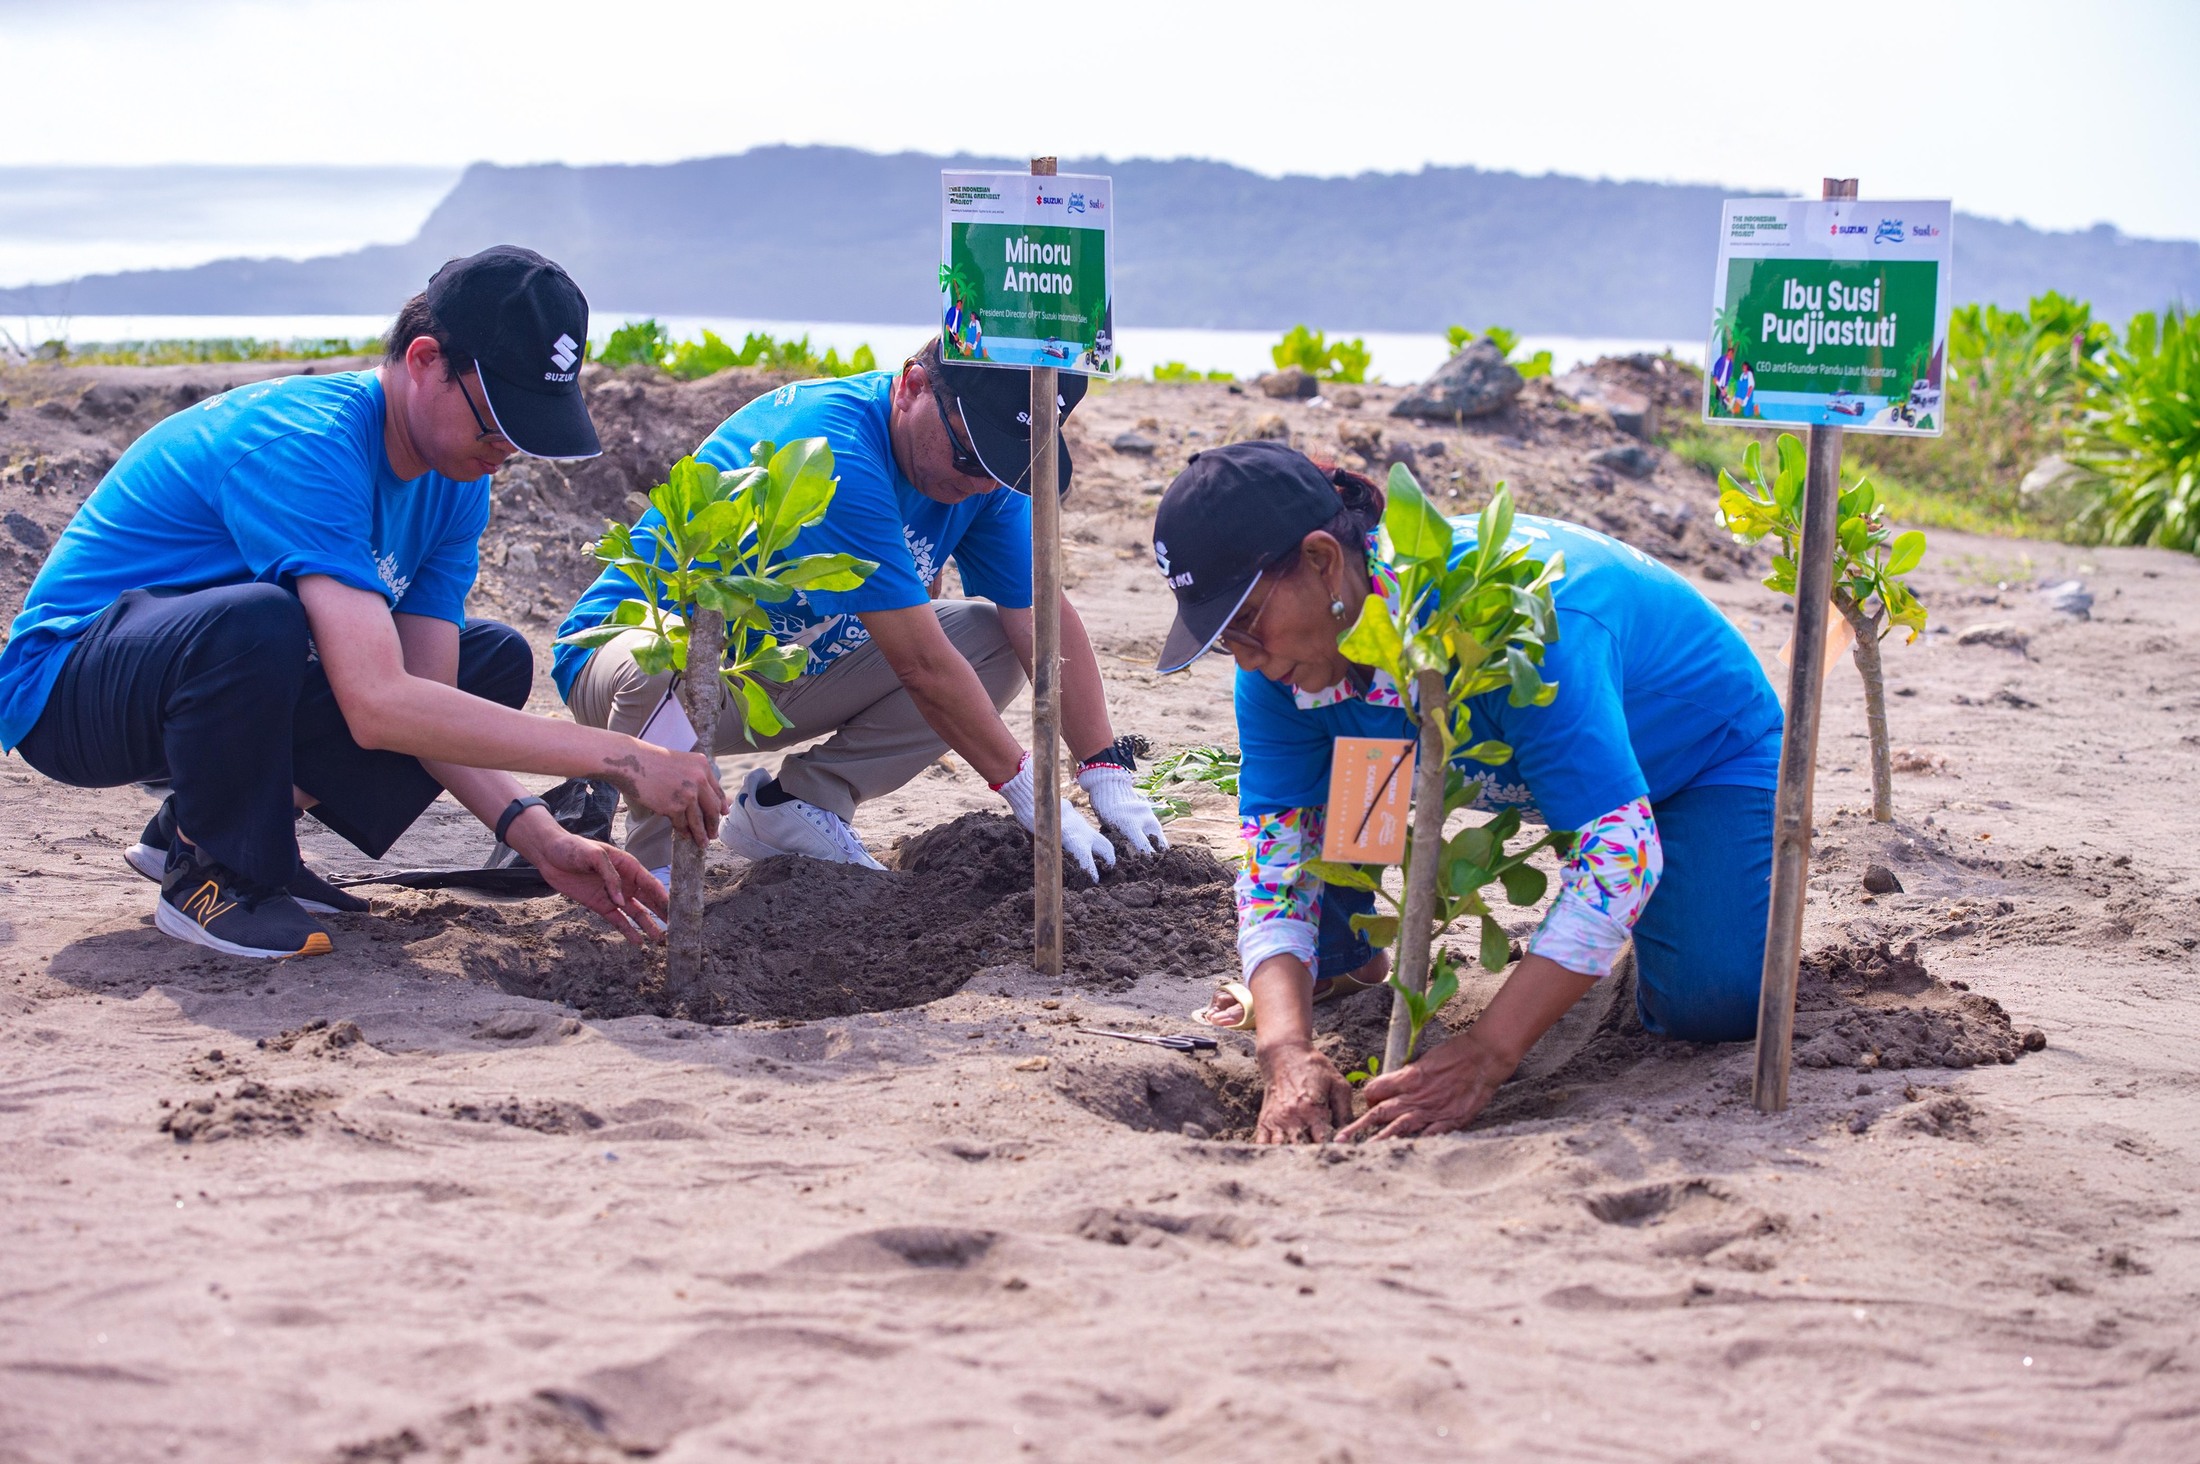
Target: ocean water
x=1395, y=356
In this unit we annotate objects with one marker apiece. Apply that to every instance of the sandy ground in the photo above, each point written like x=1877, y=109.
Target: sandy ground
x=377, y=1206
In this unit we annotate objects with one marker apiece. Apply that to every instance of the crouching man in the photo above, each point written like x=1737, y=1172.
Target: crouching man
x=263, y=603
x=932, y=461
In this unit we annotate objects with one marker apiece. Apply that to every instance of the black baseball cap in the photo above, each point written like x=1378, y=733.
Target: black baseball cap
x=523, y=321
x=994, y=405
x=1230, y=514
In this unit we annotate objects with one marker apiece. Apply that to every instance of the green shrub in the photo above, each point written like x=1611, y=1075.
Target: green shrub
x=637, y=343
x=198, y=352
x=1507, y=343
x=1178, y=371
x=1314, y=353
x=2140, y=435
x=2016, y=385
x=646, y=343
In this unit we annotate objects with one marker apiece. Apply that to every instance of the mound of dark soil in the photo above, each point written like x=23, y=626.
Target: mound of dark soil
x=1874, y=1006
x=793, y=938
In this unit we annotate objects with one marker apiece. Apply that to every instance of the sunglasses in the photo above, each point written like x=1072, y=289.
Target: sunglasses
x=966, y=460
x=487, y=432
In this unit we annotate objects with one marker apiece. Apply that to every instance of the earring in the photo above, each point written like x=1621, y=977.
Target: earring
x=1336, y=609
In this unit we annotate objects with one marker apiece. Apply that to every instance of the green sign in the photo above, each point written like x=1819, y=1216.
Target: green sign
x=1024, y=271
x=1830, y=313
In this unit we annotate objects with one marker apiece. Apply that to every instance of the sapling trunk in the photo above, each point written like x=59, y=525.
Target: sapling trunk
x=1417, y=925
x=1869, y=667
x=700, y=691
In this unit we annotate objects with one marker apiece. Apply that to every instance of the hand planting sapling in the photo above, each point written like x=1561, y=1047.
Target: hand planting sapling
x=1461, y=630
x=1869, y=561
x=705, y=575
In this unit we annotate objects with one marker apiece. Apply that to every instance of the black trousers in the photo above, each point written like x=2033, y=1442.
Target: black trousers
x=219, y=692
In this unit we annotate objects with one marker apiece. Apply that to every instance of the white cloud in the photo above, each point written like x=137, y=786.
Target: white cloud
x=2061, y=115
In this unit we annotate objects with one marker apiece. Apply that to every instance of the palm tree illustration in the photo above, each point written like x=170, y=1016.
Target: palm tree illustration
x=962, y=285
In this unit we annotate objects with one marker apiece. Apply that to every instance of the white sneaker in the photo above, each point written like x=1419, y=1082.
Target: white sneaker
x=755, y=832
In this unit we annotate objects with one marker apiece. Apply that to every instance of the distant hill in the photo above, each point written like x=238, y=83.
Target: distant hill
x=820, y=233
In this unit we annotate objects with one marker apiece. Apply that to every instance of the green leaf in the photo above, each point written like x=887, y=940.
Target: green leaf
x=658, y=658
x=1373, y=639
x=825, y=572
x=1348, y=876
x=1418, y=533
x=757, y=710
x=595, y=635
x=1787, y=489
x=629, y=613
x=1907, y=553
x=1524, y=884
x=1527, y=682
x=1496, y=946
x=1490, y=751
x=1495, y=528
x=1381, y=930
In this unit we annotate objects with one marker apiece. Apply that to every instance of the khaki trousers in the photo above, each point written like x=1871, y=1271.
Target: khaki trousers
x=879, y=740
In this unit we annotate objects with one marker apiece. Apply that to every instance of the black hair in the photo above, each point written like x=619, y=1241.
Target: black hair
x=415, y=320
x=1362, y=512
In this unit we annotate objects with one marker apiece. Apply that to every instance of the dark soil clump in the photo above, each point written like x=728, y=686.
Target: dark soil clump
x=1874, y=1006
x=796, y=939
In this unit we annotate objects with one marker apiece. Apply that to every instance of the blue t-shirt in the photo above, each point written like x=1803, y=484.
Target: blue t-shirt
x=1656, y=693
x=875, y=514
x=261, y=484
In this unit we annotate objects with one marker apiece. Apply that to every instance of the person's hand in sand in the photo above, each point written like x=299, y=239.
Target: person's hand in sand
x=1304, y=1099
x=609, y=881
x=1455, y=1080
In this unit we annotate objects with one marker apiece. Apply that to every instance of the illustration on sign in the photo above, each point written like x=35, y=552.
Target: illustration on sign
x=1831, y=313
x=1025, y=271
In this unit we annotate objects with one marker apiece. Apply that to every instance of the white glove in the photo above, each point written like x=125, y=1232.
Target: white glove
x=1122, y=807
x=1080, y=840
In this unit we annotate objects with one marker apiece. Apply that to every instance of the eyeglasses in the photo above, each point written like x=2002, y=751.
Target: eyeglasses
x=966, y=460
x=1243, y=637
x=487, y=432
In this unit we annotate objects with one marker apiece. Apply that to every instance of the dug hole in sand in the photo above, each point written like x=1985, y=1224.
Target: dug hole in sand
x=463, y=1191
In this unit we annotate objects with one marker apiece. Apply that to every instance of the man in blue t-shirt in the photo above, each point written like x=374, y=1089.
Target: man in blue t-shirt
x=931, y=463
x=264, y=604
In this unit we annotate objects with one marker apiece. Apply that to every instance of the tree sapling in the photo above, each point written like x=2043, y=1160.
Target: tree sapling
x=1868, y=564
x=1463, y=629
x=706, y=573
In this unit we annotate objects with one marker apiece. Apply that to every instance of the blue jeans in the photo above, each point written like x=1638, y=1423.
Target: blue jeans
x=1700, y=945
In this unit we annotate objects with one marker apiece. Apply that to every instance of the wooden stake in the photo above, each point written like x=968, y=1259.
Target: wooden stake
x=1046, y=666
x=1799, y=756
x=700, y=689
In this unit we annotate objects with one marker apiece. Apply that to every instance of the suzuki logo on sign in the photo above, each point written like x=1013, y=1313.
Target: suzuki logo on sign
x=564, y=351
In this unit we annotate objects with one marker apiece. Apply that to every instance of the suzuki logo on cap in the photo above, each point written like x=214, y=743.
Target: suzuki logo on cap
x=564, y=351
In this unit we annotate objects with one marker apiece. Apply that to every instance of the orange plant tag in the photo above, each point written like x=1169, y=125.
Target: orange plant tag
x=1370, y=786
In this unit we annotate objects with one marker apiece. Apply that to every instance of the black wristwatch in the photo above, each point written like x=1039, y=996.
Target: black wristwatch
x=1123, y=753
x=517, y=807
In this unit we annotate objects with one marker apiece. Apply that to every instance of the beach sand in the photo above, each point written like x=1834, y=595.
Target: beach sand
x=461, y=1191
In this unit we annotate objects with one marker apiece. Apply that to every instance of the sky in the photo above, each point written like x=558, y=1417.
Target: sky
x=2062, y=115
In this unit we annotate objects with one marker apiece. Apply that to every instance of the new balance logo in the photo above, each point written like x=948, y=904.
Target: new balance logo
x=564, y=351
x=205, y=903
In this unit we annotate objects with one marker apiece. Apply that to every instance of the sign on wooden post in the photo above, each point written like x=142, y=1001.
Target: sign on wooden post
x=1832, y=315
x=1025, y=282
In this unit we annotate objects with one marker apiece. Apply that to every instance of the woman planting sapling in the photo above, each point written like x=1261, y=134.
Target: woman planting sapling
x=1659, y=753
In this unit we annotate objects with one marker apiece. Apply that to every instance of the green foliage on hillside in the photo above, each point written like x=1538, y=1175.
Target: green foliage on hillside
x=1314, y=353
x=199, y=352
x=1508, y=346
x=647, y=343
